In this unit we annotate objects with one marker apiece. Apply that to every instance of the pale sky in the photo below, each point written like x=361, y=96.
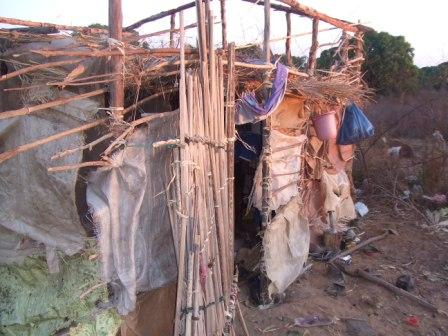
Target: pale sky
x=425, y=30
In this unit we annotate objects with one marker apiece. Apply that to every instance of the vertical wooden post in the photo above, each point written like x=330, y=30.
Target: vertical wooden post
x=359, y=52
x=266, y=154
x=344, y=48
x=267, y=122
x=288, y=39
x=116, y=62
x=314, y=46
x=230, y=125
x=182, y=264
x=172, y=27
x=267, y=31
x=223, y=24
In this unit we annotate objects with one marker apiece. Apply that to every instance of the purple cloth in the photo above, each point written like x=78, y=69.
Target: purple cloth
x=250, y=110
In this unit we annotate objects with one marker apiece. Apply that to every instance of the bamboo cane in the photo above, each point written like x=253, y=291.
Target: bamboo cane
x=36, y=67
x=230, y=126
x=78, y=165
x=29, y=146
x=86, y=146
x=107, y=52
x=209, y=231
x=209, y=83
x=159, y=16
x=18, y=22
x=183, y=189
x=61, y=101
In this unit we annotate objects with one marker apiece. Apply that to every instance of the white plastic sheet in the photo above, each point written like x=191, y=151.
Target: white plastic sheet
x=286, y=244
x=286, y=163
x=336, y=193
x=129, y=207
x=36, y=204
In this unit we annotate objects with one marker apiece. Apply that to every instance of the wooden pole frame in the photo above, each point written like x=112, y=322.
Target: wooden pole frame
x=107, y=52
x=159, y=16
x=35, y=67
x=61, y=101
x=223, y=24
x=314, y=14
x=288, y=39
x=314, y=46
x=172, y=29
x=266, y=155
x=266, y=124
x=116, y=61
x=18, y=22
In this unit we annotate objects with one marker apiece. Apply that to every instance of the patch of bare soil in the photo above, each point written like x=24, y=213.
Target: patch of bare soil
x=364, y=308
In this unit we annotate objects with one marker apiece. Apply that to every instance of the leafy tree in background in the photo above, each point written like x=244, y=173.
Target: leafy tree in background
x=326, y=59
x=434, y=77
x=98, y=25
x=389, y=63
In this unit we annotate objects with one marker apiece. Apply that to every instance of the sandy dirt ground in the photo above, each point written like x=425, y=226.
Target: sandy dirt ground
x=365, y=309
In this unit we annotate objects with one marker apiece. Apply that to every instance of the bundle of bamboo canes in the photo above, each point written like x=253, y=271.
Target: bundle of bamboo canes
x=202, y=211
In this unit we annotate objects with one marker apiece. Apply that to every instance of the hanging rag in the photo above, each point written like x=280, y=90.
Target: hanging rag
x=249, y=110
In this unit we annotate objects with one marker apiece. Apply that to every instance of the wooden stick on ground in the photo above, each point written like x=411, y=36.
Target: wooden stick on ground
x=243, y=321
x=396, y=290
x=361, y=245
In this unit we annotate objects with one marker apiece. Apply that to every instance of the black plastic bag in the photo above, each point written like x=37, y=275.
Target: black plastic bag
x=355, y=126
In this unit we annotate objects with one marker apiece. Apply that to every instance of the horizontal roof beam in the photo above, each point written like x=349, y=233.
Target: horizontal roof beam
x=160, y=15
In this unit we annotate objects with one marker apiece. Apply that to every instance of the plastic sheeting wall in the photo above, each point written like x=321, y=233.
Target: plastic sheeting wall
x=286, y=163
x=129, y=207
x=286, y=243
x=34, y=203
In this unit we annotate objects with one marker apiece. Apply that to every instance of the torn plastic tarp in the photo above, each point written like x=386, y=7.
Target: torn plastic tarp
x=129, y=207
x=286, y=243
x=336, y=193
x=286, y=163
x=36, y=204
x=249, y=110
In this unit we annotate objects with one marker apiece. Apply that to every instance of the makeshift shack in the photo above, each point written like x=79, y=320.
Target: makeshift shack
x=159, y=158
